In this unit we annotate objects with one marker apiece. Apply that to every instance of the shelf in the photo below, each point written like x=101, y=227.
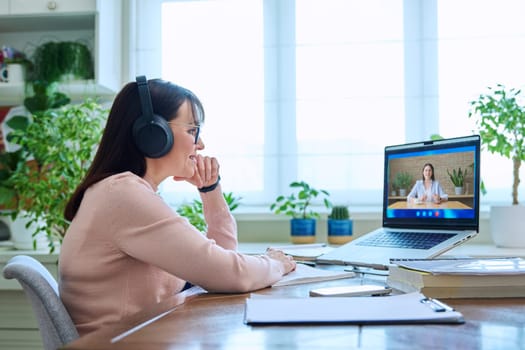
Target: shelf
x=13, y=94
x=46, y=22
x=97, y=23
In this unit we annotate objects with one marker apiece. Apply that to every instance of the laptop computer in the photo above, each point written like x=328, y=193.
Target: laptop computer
x=417, y=228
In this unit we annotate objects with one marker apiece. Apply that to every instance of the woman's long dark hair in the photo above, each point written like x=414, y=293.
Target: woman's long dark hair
x=117, y=152
x=423, y=170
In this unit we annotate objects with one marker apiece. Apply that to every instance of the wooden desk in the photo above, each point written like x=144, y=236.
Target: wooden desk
x=467, y=199
x=215, y=321
x=429, y=205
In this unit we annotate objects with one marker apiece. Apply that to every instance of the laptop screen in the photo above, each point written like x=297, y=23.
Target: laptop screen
x=433, y=184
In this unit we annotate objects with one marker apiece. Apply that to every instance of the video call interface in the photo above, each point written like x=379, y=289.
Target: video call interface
x=461, y=204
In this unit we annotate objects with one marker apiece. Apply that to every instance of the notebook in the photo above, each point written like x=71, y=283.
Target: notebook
x=420, y=229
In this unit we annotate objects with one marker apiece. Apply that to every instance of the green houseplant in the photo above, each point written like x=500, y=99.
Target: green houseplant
x=57, y=147
x=299, y=207
x=46, y=96
x=194, y=213
x=58, y=60
x=9, y=162
x=53, y=62
x=458, y=178
x=500, y=119
x=402, y=181
x=339, y=225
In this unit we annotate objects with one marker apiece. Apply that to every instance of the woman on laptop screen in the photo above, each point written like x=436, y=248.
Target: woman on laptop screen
x=428, y=189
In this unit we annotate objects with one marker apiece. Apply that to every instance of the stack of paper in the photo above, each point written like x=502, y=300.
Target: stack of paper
x=305, y=252
x=307, y=274
x=460, y=278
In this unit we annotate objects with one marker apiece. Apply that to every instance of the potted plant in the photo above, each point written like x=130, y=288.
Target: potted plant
x=339, y=225
x=45, y=96
x=194, y=213
x=393, y=189
x=53, y=62
x=62, y=60
x=500, y=119
x=299, y=207
x=403, y=180
x=458, y=179
x=20, y=235
x=56, y=147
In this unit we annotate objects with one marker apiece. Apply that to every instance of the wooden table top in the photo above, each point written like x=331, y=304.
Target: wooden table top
x=197, y=320
x=428, y=205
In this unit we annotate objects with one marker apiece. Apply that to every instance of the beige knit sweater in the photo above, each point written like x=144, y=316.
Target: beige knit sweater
x=127, y=249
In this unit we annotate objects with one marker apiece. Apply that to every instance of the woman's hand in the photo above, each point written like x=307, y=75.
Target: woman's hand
x=206, y=172
x=287, y=261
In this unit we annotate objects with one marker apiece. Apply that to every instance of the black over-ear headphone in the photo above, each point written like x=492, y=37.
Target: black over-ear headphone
x=151, y=132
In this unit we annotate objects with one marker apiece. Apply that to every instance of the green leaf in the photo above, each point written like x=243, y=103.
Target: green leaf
x=299, y=203
x=18, y=122
x=500, y=120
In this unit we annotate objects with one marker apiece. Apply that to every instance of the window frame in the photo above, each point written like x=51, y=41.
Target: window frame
x=421, y=83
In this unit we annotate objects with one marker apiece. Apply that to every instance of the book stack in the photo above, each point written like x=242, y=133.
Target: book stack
x=460, y=278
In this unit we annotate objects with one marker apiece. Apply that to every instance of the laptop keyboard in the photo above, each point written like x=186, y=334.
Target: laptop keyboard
x=414, y=240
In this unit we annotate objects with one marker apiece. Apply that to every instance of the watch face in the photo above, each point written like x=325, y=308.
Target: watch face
x=5, y=232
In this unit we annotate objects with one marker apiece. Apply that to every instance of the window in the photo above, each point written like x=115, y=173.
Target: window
x=215, y=48
x=349, y=93
x=314, y=89
x=485, y=51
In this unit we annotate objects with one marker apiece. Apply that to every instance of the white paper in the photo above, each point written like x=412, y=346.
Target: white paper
x=308, y=251
x=308, y=274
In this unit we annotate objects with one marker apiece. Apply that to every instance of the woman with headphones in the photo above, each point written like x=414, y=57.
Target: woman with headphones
x=126, y=249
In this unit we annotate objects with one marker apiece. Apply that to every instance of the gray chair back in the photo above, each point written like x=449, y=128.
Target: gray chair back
x=41, y=288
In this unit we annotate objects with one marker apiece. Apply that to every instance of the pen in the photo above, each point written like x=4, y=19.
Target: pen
x=436, y=305
x=442, y=305
x=367, y=271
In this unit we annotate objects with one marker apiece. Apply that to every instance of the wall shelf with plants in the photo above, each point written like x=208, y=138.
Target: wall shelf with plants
x=26, y=31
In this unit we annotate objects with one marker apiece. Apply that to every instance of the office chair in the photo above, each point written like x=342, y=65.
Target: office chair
x=41, y=288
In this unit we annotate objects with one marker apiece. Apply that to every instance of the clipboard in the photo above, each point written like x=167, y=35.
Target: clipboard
x=411, y=308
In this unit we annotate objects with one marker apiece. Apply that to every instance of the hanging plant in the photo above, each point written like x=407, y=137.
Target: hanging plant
x=53, y=61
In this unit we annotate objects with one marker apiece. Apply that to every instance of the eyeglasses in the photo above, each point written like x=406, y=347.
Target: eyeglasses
x=194, y=131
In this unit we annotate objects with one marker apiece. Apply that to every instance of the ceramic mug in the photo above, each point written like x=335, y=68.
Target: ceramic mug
x=3, y=74
x=16, y=73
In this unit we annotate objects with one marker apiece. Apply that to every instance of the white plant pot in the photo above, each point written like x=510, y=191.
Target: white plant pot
x=507, y=226
x=22, y=237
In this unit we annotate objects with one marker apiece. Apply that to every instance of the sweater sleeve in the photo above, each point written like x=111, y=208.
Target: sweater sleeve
x=148, y=230
x=221, y=224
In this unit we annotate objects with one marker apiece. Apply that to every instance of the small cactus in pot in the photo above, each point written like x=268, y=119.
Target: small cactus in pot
x=340, y=228
x=339, y=212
